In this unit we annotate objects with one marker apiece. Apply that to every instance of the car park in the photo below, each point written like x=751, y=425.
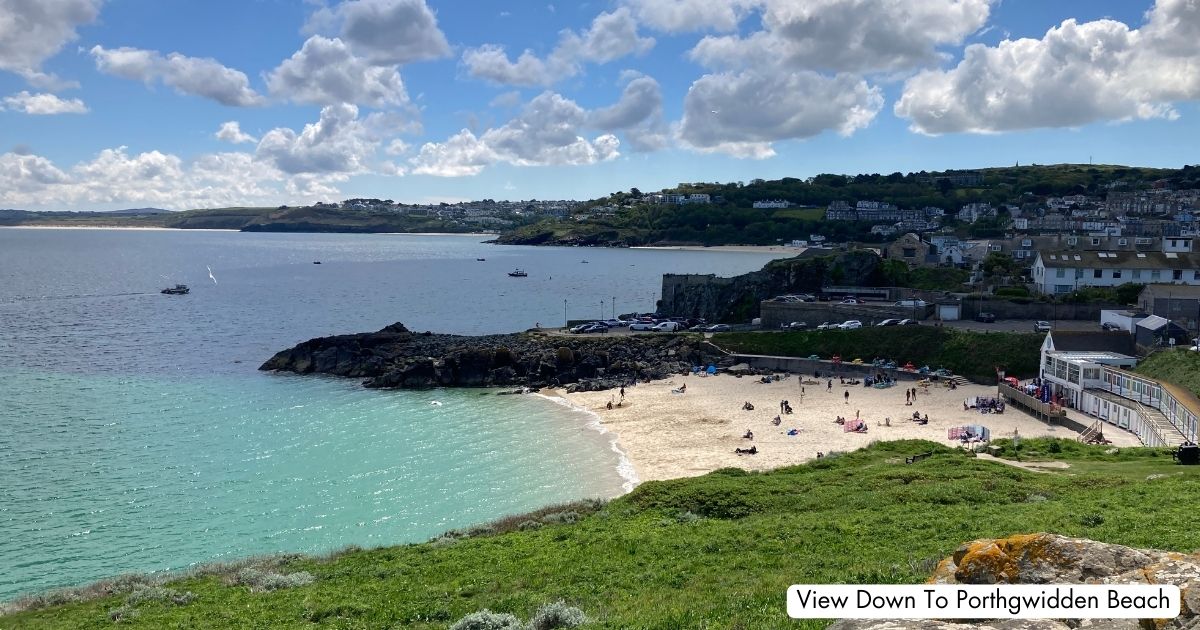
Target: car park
x=850, y=324
x=716, y=328
x=1042, y=326
x=986, y=318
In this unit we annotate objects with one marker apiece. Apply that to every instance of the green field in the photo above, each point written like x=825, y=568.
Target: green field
x=1180, y=367
x=970, y=354
x=710, y=552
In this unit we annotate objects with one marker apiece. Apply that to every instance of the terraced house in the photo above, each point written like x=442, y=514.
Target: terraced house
x=1064, y=272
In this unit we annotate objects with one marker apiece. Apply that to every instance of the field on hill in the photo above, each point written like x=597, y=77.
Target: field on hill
x=709, y=552
x=970, y=354
x=1180, y=367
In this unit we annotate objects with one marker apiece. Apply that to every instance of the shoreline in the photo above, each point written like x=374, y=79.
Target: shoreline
x=740, y=249
x=625, y=467
x=668, y=435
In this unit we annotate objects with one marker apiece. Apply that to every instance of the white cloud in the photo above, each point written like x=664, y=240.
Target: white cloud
x=397, y=147
x=32, y=31
x=231, y=131
x=384, y=32
x=462, y=155
x=547, y=132
x=610, y=36
x=339, y=142
x=324, y=71
x=22, y=175
x=847, y=35
x=638, y=113
x=1076, y=74
x=743, y=113
x=48, y=81
x=681, y=16
x=43, y=104
x=189, y=75
x=506, y=100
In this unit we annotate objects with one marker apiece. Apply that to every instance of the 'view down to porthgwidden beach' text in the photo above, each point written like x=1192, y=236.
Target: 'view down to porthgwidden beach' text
x=630, y=314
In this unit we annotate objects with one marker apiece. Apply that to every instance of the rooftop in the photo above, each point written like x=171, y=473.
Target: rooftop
x=1124, y=260
x=1093, y=341
x=1091, y=357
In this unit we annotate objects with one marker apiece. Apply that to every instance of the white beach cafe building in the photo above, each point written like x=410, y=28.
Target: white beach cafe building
x=1094, y=382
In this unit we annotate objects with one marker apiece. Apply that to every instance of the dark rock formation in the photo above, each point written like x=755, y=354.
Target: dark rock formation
x=1053, y=559
x=736, y=300
x=397, y=357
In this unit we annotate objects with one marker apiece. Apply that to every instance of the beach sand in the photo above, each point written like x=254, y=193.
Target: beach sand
x=668, y=435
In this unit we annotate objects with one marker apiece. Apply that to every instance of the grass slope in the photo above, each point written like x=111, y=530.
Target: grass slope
x=710, y=552
x=973, y=355
x=1179, y=367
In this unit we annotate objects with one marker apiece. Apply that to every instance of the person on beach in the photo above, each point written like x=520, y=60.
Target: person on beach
x=781, y=404
x=829, y=385
x=847, y=397
x=622, y=391
x=908, y=396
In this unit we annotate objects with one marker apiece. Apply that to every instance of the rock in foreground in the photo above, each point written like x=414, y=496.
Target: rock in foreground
x=396, y=357
x=1053, y=559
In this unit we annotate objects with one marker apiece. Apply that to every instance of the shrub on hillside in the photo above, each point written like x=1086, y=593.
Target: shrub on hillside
x=487, y=620
x=557, y=615
x=260, y=581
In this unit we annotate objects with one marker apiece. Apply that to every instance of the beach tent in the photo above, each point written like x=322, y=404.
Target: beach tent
x=712, y=369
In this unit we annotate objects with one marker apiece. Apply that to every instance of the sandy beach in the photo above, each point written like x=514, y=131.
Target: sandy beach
x=668, y=435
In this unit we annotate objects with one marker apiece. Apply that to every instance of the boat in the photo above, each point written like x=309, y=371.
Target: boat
x=480, y=259
x=316, y=262
x=583, y=262
x=517, y=273
x=179, y=289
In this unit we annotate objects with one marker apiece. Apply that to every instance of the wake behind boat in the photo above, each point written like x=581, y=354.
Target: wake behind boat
x=517, y=273
x=179, y=289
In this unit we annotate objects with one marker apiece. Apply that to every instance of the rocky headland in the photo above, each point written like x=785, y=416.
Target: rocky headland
x=396, y=357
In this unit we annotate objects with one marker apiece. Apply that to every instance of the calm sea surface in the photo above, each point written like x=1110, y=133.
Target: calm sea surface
x=136, y=433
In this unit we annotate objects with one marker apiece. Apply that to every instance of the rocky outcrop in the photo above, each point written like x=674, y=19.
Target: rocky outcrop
x=1053, y=559
x=737, y=299
x=396, y=357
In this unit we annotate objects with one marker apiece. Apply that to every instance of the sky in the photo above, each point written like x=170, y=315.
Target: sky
x=108, y=104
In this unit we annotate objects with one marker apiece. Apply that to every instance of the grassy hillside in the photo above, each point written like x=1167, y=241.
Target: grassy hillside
x=970, y=354
x=1180, y=367
x=713, y=552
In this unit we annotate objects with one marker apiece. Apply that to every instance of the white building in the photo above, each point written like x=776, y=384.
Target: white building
x=1063, y=272
x=1071, y=361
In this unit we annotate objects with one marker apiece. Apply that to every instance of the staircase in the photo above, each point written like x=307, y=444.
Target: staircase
x=958, y=380
x=1162, y=426
x=1091, y=432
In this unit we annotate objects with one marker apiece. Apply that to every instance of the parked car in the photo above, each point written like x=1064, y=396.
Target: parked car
x=594, y=328
x=827, y=326
x=889, y=322
x=909, y=322
x=615, y=323
x=850, y=324
x=668, y=326
x=716, y=328
x=911, y=303
x=640, y=325
x=579, y=328
x=797, y=326
x=986, y=318
x=851, y=300
x=1111, y=326
x=1042, y=326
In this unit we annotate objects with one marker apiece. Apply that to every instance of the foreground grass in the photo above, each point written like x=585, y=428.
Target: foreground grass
x=1180, y=367
x=710, y=552
x=971, y=354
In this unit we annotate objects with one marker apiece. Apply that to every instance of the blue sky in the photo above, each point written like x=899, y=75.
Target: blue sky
x=126, y=103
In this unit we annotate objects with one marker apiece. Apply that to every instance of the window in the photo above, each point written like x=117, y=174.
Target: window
x=1173, y=243
x=910, y=252
x=1062, y=288
x=1073, y=373
x=1060, y=273
x=1137, y=274
x=995, y=248
x=1116, y=274
x=1155, y=274
x=1078, y=274
x=1072, y=240
x=1026, y=242
x=1177, y=274
x=1096, y=273
x=1095, y=241
x=1123, y=241
x=1196, y=275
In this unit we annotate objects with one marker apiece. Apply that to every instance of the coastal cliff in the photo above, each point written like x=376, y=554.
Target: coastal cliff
x=396, y=357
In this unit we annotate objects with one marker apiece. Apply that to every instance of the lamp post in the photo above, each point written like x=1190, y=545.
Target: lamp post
x=614, y=307
x=564, y=313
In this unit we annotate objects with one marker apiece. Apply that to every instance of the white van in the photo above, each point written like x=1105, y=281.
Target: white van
x=669, y=327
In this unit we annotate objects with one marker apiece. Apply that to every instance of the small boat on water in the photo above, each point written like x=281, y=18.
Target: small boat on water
x=179, y=289
x=517, y=273
x=583, y=262
x=480, y=259
x=316, y=262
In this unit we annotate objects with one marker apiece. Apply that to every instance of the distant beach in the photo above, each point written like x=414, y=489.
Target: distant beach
x=669, y=435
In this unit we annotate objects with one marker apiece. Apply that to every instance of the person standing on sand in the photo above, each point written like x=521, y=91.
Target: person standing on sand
x=847, y=397
x=829, y=385
x=907, y=396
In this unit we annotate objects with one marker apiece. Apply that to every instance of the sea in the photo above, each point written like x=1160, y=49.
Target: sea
x=137, y=434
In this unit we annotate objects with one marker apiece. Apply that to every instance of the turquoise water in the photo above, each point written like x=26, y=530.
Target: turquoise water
x=137, y=435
